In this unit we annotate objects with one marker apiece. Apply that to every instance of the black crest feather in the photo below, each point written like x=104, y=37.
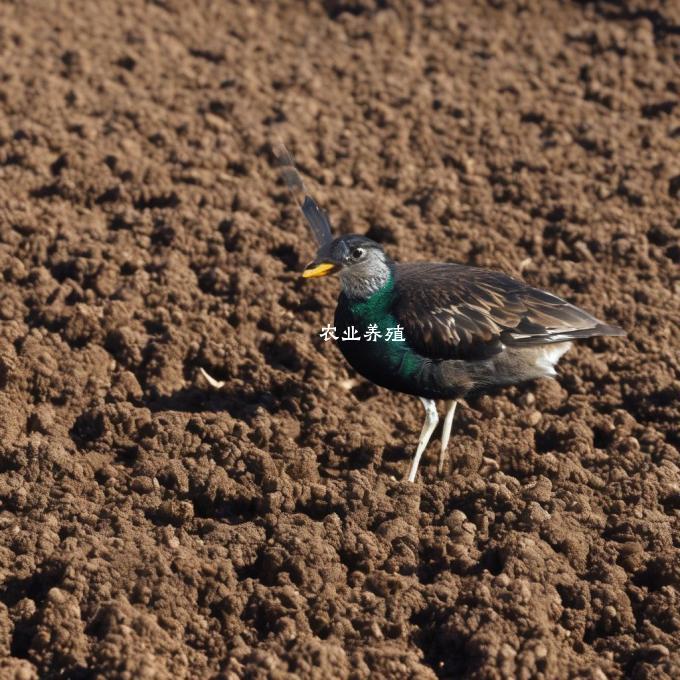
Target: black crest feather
x=316, y=217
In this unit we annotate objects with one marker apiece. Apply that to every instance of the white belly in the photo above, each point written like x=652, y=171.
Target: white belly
x=549, y=355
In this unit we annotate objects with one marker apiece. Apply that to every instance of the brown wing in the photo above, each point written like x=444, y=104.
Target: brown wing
x=451, y=311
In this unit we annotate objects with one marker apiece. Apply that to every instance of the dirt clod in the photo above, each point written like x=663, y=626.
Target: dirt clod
x=192, y=483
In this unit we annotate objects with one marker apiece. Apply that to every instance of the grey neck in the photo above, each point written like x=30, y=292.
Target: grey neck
x=358, y=286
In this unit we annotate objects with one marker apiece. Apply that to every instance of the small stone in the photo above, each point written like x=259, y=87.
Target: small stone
x=42, y=419
x=24, y=609
x=56, y=595
x=502, y=580
x=540, y=651
x=539, y=491
x=177, y=512
x=469, y=528
x=527, y=399
x=107, y=472
x=142, y=485
x=535, y=515
x=658, y=651
x=170, y=538
x=25, y=672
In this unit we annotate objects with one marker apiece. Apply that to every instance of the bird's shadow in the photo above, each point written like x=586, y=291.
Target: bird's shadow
x=241, y=404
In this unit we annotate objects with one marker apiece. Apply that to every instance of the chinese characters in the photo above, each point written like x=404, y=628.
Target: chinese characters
x=371, y=334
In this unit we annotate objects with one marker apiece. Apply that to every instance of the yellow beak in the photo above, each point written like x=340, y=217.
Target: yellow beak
x=314, y=270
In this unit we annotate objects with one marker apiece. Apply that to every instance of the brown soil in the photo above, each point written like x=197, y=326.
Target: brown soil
x=153, y=527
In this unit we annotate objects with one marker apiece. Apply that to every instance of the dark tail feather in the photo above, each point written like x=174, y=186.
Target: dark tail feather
x=602, y=329
x=599, y=330
x=316, y=217
x=606, y=329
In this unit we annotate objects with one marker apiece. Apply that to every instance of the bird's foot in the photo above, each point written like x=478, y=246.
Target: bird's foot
x=431, y=420
x=446, y=433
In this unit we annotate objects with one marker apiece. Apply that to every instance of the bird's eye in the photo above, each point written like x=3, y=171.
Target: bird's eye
x=357, y=253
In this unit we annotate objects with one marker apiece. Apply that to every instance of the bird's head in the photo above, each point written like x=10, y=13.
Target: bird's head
x=363, y=265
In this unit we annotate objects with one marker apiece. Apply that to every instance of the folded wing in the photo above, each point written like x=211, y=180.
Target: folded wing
x=451, y=311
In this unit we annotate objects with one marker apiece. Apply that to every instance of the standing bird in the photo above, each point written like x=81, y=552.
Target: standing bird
x=465, y=329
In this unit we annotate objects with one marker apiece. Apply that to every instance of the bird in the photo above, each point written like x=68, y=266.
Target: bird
x=463, y=330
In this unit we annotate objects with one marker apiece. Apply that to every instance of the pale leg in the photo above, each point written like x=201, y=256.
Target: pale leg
x=431, y=420
x=446, y=431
